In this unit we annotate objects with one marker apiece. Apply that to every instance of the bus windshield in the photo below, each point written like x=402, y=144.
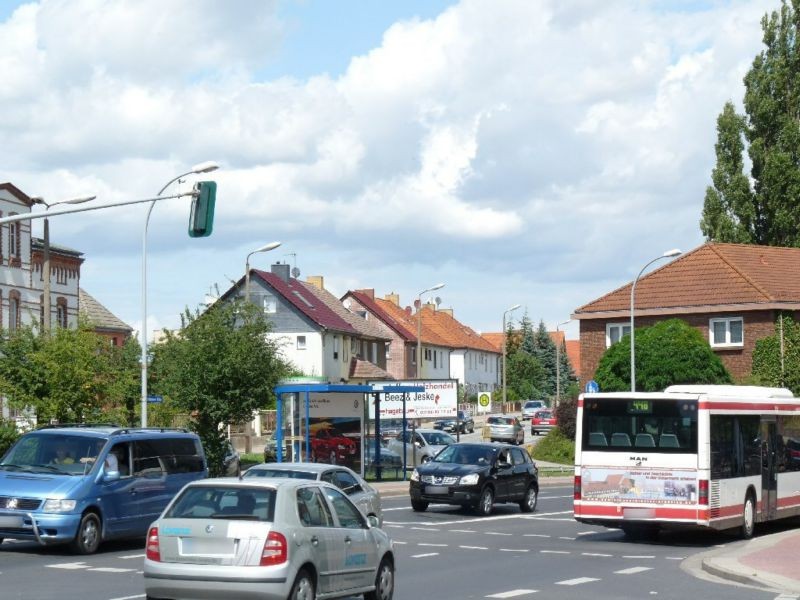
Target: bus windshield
x=623, y=424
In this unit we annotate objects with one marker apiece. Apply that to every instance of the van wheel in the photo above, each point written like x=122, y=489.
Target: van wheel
x=87, y=539
x=303, y=588
x=748, y=518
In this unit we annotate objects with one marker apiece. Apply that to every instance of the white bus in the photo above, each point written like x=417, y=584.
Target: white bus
x=709, y=456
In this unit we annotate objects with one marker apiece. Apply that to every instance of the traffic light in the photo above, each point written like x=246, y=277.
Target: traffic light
x=201, y=217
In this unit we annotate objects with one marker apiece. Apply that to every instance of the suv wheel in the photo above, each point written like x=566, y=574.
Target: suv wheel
x=528, y=502
x=486, y=502
x=419, y=505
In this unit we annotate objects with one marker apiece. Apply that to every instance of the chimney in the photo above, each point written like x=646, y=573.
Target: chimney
x=368, y=292
x=281, y=270
x=430, y=306
x=393, y=298
x=317, y=281
x=447, y=311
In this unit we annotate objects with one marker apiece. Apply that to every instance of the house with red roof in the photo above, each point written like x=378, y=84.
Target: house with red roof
x=734, y=294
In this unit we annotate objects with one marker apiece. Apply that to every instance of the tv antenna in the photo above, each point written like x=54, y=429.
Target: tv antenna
x=295, y=270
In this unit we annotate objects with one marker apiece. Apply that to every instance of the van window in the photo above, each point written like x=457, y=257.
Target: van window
x=170, y=455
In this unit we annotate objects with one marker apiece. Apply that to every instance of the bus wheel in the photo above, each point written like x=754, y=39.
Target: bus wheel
x=749, y=518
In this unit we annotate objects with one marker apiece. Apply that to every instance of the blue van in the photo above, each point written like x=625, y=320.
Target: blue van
x=85, y=484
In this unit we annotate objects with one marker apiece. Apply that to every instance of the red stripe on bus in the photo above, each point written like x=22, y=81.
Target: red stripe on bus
x=788, y=501
x=660, y=512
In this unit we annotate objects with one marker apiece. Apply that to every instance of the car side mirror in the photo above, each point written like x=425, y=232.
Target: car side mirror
x=111, y=476
x=373, y=522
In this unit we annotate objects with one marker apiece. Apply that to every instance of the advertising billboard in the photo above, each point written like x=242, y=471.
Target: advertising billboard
x=658, y=486
x=440, y=399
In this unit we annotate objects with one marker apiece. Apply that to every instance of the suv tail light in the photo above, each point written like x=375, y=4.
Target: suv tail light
x=702, y=497
x=275, y=550
x=576, y=493
x=153, y=550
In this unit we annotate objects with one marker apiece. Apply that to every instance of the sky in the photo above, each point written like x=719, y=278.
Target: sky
x=533, y=153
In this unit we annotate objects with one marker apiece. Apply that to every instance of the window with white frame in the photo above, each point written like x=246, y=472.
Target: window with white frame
x=615, y=332
x=388, y=347
x=301, y=342
x=726, y=332
x=336, y=346
x=270, y=304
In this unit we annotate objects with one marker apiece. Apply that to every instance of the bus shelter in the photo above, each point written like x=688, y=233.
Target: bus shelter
x=319, y=422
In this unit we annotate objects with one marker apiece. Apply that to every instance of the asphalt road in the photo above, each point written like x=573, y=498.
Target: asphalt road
x=442, y=554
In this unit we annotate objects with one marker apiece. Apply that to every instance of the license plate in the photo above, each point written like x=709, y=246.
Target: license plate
x=11, y=522
x=436, y=489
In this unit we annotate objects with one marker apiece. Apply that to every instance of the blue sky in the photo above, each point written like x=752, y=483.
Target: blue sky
x=520, y=152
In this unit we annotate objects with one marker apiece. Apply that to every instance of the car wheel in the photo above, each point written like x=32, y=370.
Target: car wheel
x=87, y=539
x=472, y=428
x=303, y=587
x=748, y=518
x=485, y=503
x=419, y=505
x=384, y=582
x=529, y=500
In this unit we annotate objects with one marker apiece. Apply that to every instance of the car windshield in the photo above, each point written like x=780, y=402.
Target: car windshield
x=500, y=421
x=48, y=453
x=465, y=455
x=533, y=404
x=224, y=502
x=284, y=473
x=435, y=438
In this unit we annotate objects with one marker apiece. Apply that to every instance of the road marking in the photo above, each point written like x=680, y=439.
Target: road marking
x=591, y=554
x=577, y=581
x=514, y=550
x=571, y=539
x=638, y=556
x=633, y=570
x=512, y=594
x=496, y=533
x=462, y=531
x=541, y=535
x=474, y=547
x=424, y=529
x=131, y=556
x=553, y=552
x=129, y=597
x=435, y=545
x=588, y=532
x=69, y=566
x=424, y=555
x=674, y=557
x=111, y=570
x=396, y=542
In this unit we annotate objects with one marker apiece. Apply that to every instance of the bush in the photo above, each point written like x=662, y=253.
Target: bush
x=8, y=435
x=566, y=415
x=555, y=447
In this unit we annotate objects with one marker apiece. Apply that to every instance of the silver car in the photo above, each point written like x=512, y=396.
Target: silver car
x=504, y=428
x=270, y=539
x=426, y=444
x=531, y=407
x=362, y=494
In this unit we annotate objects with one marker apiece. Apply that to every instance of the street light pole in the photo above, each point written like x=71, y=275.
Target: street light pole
x=438, y=286
x=668, y=254
x=558, y=362
x=205, y=167
x=264, y=248
x=46, y=317
x=505, y=312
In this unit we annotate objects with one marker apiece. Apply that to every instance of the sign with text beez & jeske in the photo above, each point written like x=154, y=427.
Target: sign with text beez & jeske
x=440, y=399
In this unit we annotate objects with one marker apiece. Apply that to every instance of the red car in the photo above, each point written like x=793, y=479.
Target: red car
x=542, y=421
x=329, y=447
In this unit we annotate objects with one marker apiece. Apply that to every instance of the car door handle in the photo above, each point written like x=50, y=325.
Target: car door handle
x=314, y=540
x=347, y=540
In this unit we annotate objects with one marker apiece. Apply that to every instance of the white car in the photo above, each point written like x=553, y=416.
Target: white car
x=270, y=539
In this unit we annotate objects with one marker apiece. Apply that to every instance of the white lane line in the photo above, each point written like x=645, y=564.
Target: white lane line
x=588, y=532
x=496, y=533
x=571, y=539
x=633, y=570
x=638, y=556
x=462, y=531
x=513, y=594
x=401, y=543
x=434, y=545
x=69, y=566
x=424, y=555
x=110, y=570
x=591, y=554
x=129, y=597
x=553, y=552
x=391, y=509
x=424, y=529
x=577, y=581
x=541, y=535
x=474, y=547
x=395, y=526
x=514, y=550
x=674, y=557
x=131, y=556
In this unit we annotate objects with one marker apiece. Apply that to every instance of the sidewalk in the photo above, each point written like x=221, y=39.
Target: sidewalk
x=770, y=561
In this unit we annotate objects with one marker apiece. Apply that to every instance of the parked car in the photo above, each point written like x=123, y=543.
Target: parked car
x=504, y=428
x=476, y=475
x=423, y=446
x=463, y=423
x=271, y=447
x=86, y=484
x=360, y=492
x=543, y=421
x=530, y=407
x=231, y=464
x=391, y=427
x=266, y=538
x=389, y=459
x=328, y=446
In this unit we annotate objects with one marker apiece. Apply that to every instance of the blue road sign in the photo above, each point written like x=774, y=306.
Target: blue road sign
x=592, y=387
x=155, y=399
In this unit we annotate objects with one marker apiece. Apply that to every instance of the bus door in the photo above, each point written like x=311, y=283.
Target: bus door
x=769, y=469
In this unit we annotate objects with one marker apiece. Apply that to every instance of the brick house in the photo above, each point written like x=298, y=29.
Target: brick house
x=732, y=293
x=102, y=320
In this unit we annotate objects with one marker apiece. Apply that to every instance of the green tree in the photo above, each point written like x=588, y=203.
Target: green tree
x=767, y=213
x=525, y=376
x=124, y=382
x=219, y=368
x=768, y=367
x=527, y=335
x=545, y=352
x=670, y=352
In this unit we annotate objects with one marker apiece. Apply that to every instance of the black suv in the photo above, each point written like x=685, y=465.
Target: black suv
x=476, y=475
x=464, y=422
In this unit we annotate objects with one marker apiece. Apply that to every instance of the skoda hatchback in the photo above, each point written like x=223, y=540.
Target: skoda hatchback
x=264, y=538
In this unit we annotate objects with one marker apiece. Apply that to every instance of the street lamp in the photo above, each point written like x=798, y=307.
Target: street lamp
x=264, y=248
x=46, y=262
x=438, y=286
x=558, y=362
x=505, y=312
x=205, y=167
x=668, y=254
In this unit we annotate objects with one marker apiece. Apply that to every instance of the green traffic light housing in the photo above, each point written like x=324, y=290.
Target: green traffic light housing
x=201, y=217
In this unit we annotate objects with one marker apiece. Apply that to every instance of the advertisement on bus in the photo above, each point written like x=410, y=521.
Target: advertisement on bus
x=440, y=399
x=658, y=486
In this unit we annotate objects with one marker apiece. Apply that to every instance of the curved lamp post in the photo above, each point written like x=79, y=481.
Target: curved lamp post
x=438, y=286
x=46, y=317
x=505, y=312
x=264, y=248
x=205, y=167
x=668, y=254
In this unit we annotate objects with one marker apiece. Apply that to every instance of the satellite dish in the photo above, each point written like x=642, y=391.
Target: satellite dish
x=295, y=272
x=438, y=300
